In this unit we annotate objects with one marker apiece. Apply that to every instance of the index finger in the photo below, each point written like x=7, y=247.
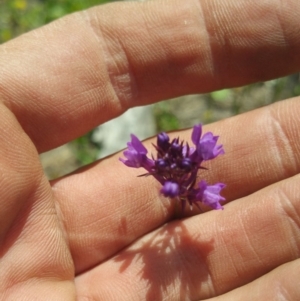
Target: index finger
x=65, y=78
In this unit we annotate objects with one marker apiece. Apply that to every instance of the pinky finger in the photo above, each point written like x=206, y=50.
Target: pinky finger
x=281, y=284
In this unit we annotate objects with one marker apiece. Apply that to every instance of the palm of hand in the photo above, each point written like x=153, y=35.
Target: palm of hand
x=82, y=225
x=103, y=234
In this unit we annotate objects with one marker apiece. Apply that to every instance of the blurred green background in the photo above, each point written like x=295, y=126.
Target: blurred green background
x=19, y=16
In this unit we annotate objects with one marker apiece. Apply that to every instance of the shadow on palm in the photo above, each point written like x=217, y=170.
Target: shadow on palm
x=172, y=260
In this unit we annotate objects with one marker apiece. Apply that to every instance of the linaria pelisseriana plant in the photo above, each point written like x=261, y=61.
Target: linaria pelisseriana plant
x=176, y=166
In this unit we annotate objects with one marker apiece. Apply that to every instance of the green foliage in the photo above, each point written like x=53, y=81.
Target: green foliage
x=19, y=16
x=86, y=151
x=165, y=118
x=221, y=95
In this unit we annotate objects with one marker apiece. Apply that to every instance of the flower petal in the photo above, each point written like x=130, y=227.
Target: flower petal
x=170, y=189
x=196, y=134
x=137, y=145
x=208, y=148
x=210, y=194
x=136, y=155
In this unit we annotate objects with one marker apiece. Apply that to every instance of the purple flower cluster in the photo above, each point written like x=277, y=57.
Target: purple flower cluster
x=176, y=166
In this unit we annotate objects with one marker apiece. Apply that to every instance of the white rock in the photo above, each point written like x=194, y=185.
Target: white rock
x=114, y=134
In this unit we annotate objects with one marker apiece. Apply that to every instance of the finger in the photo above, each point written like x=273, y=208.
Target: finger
x=205, y=255
x=106, y=207
x=73, y=74
x=279, y=284
x=33, y=252
x=20, y=170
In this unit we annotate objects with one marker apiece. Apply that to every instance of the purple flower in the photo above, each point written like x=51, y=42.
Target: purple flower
x=170, y=189
x=136, y=155
x=163, y=141
x=176, y=166
x=196, y=133
x=206, y=147
x=210, y=194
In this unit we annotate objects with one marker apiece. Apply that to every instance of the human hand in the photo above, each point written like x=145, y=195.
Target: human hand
x=101, y=233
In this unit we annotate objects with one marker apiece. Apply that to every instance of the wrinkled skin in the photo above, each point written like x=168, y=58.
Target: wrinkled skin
x=101, y=233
